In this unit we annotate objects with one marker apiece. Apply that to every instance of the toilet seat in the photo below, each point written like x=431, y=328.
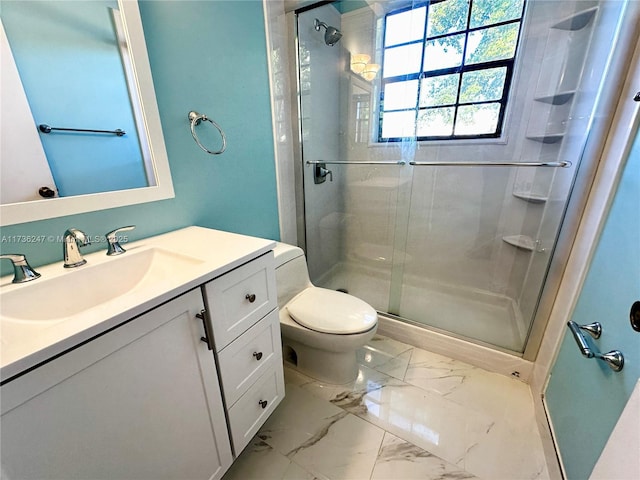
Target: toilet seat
x=328, y=311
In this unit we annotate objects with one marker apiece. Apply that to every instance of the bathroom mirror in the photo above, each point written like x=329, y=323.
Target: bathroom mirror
x=126, y=169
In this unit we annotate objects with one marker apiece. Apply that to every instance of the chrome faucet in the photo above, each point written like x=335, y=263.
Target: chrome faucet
x=113, y=243
x=73, y=240
x=22, y=271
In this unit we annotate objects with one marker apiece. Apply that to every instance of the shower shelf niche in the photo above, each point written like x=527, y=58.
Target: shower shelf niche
x=577, y=21
x=523, y=242
x=559, y=98
x=530, y=197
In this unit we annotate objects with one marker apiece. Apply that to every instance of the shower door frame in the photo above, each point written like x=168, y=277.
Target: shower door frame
x=576, y=197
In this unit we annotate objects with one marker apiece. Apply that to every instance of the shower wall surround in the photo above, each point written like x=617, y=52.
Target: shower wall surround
x=235, y=191
x=320, y=75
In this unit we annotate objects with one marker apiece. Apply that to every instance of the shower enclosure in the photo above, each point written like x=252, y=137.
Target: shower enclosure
x=440, y=144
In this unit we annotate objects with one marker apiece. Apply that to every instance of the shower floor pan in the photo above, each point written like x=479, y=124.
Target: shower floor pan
x=474, y=314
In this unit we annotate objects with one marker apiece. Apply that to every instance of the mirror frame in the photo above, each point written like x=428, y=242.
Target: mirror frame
x=15, y=213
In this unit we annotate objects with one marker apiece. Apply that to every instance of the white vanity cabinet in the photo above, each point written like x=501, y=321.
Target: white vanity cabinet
x=169, y=382
x=242, y=306
x=140, y=401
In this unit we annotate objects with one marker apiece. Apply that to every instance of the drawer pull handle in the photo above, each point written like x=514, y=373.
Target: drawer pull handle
x=263, y=403
x=206, y=329
x=258, y=355
x=251, y=297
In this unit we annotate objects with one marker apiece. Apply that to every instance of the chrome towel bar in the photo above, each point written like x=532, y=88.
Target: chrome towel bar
x=340, y=162
x=564, y=164
x=44, y=128
x=614, y=358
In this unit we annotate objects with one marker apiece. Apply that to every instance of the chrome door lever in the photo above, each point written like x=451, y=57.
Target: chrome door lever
x=614, y=358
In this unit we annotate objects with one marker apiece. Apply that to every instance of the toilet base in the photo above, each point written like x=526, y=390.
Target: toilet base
x=328, y=367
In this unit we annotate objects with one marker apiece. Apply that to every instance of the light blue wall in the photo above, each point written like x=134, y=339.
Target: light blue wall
x=69, y=62
x=584, y=397
x=208, y=56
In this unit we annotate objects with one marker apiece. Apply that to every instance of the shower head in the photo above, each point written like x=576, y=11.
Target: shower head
x=331, y=35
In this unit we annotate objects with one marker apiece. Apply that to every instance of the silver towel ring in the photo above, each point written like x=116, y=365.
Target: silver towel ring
x=195, y=118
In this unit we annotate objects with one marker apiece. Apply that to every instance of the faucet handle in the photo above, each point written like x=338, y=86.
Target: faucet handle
x=114, y=247
x=22, y=271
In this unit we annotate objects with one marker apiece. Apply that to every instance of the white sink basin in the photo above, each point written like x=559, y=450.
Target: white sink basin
x=76, y=290
x=66, y=307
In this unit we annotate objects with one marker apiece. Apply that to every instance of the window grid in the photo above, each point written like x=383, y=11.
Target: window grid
x=460, y=70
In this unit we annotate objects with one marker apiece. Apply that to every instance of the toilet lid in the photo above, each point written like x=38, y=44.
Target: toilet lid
x=328, y=311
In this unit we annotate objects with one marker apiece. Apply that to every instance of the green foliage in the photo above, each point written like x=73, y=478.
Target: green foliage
x=482, y=85
x=447, y=17
x=495, y=43
x=490, y=12
x=441, y=90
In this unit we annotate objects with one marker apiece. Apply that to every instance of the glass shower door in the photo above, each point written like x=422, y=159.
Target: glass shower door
x=453, y=234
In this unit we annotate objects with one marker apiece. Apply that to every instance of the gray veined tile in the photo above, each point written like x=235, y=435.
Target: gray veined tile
x=509, y=451
x=395, y=366
x=296, y=472
x=389, y=345
x=294, y=377
x=432, y=422
x=437, y=373
x=385, y=355
x=367, y=380
x=298, y=420
x=347, y=450
x=259, y=461
x=428, y=420
x=399, y=459
x=322, y=438
x=487, y=392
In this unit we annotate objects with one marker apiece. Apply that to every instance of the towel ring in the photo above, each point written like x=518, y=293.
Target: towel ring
x=195, y=118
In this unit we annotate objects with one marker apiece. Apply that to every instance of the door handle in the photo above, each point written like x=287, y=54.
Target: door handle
x=614, y=358
x=320, y=172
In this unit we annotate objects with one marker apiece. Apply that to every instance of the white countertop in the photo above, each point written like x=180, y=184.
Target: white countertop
x=27, y=343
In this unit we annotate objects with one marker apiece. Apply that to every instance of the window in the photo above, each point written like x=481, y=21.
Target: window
x=447, y=69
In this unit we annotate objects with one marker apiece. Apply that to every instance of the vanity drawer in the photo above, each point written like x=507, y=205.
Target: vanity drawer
x=251, y=411
x=240, y=298
x=249, y=356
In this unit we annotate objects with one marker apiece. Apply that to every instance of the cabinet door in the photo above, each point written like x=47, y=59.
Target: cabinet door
x=141, y=401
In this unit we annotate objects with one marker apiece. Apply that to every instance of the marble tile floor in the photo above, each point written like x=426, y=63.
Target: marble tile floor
x=410, y=414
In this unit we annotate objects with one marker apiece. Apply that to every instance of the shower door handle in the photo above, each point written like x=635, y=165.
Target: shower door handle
x=320, y=173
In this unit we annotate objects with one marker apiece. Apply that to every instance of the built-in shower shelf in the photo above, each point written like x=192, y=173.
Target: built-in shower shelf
x=577, y=21
x=530, y=197
x=523, y=242
x=559, y=98
x=547, y=137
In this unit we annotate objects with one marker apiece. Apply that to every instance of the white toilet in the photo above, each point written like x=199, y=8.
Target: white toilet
x=321, y=329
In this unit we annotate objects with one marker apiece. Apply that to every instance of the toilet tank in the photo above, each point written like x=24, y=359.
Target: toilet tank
x=292, y=275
